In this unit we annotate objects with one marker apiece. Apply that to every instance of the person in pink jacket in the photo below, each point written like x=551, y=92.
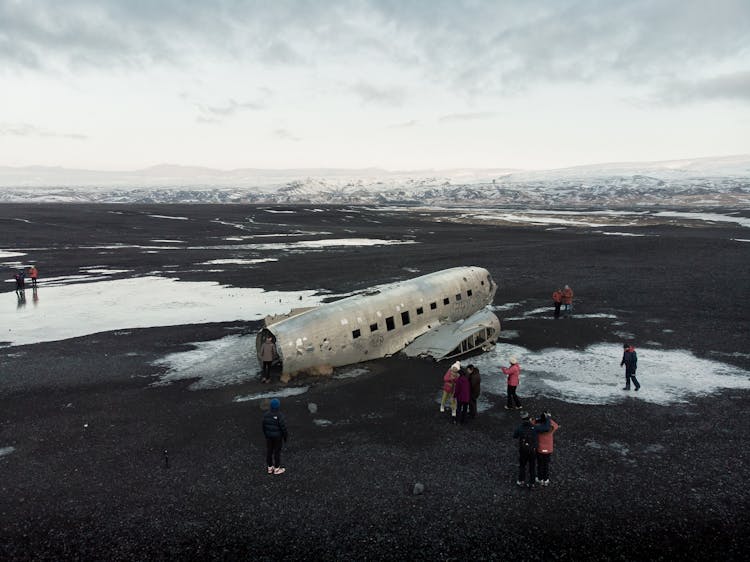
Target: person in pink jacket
x=449, y=386
x=512, y=372
x=544, y=448
x=462, y=394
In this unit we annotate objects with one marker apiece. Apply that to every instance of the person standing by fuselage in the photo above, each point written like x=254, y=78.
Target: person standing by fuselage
x=630, y=360
x=463, y=395
x=267, y=355
x=449, y=387
x=512, y=372
x=475, y=382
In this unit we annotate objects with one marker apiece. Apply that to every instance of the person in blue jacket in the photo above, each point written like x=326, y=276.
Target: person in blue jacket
x=630, y=360
x=274, y=429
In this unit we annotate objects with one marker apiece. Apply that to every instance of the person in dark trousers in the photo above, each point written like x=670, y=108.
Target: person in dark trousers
x=475, y=382
x=526, y=433
x=557, y=301
x=274, y=428
x=512, y=372
x=630, y=360
x=545, y=442
x=567, y=300
x=462, y=392
x=267, y=354
x=34, y=274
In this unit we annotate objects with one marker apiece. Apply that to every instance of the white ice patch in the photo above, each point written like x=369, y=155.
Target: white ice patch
x=351, y=373
x=81, y=309
x=6, y=451
x=9, y=254
x=619, y=233
x=594, y=375
x=237, y=261
x=740, y=240
x=280, y=393
x=710, y=217
x=168, y=217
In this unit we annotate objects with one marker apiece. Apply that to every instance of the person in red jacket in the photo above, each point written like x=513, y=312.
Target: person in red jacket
x=544, y=447
x=462, y=394
x=557, y=301
x=567, y=301
x=512, y=372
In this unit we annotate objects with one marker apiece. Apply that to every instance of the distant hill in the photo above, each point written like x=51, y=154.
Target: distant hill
x=702, y=182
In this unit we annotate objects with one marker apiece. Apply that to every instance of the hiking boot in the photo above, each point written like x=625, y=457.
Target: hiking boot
x=270, y=470
x=442, y=409
x=537, y=480
x=636, y=388
x=626, y=388
x=507, y=407
x=520, y=482
x=545, y=482
x=518, y=407
x=279, y=470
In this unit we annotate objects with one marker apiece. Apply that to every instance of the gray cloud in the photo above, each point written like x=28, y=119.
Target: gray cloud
x=372, y=94
x=474, y=116
x=471, y=46
x=28, y=130
x=735, y=86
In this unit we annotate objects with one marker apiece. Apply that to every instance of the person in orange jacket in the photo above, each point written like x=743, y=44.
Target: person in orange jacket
x=557, y=300
x=545, y=442
x=33, y=273
x=567, y=301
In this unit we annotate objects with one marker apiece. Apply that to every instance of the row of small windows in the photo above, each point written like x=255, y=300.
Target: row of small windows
x=390, y=323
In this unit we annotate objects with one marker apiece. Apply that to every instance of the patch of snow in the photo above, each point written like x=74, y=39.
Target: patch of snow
x=168, y=217
x=710, y=217
x=6, y=451
x=280, y=393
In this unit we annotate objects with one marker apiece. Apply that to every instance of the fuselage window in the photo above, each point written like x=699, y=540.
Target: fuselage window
x=420, y=310
x=405, y=318
x=356, y=333
x=446, y=300
x=469, y=293
x=482, y=283
x=389, y=323
x=458, y=297
x=374, y=327
x=433, y=305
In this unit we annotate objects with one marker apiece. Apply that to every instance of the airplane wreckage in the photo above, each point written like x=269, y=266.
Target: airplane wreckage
x=440, y=315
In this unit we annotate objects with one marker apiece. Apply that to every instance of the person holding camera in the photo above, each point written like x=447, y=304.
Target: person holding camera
x=544, y=447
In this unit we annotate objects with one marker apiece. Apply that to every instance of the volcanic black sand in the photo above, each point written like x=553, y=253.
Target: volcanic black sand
x=87, y=477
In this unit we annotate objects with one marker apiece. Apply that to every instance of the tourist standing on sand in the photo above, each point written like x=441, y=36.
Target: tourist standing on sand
x=462, y=393
x=567, y=301
x=545, y=442
x=557, y=301
x=475, y=382
x=274, y=429
x=512, y=372
x=267, y=354
x=449, y=386
x=526, y=433
x=630, y=360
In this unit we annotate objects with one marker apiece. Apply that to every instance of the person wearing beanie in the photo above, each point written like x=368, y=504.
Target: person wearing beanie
x=545, y=442
x=449, y=387
x=512, y=372
x=274, y=430
x=630, y=360
x=526, y=433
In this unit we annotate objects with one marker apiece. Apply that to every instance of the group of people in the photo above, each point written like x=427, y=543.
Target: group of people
x=461, y=388
x=563, y=298
x=20, y=277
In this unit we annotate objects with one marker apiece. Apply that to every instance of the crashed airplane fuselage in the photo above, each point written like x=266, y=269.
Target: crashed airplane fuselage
x=442, y=314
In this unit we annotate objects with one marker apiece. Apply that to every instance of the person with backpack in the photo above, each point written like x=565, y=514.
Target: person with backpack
x=526, y=433
x=630, y=360
x=475, y=381
x=544, y=447
x=274, y=430
x=512, y=372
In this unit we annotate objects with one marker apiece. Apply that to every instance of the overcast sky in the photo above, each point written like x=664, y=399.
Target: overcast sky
x=397, y=84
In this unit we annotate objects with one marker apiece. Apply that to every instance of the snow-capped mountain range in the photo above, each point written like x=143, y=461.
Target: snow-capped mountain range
x=701, y=182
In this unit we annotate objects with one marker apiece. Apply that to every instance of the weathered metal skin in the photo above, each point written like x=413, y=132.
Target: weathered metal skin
x=379, y=323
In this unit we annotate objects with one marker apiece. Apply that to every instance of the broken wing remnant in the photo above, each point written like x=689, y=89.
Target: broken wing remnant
x=446, y=307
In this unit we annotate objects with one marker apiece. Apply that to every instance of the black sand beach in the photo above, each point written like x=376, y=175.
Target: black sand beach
x=87, y=477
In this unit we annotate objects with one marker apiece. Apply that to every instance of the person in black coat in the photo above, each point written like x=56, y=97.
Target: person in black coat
x=475, y=380
x=274, y=429
x=526, y=433
x=630, y=360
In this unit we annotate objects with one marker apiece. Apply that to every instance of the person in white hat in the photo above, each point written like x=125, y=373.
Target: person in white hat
x=512, y=372
x=449, y=387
